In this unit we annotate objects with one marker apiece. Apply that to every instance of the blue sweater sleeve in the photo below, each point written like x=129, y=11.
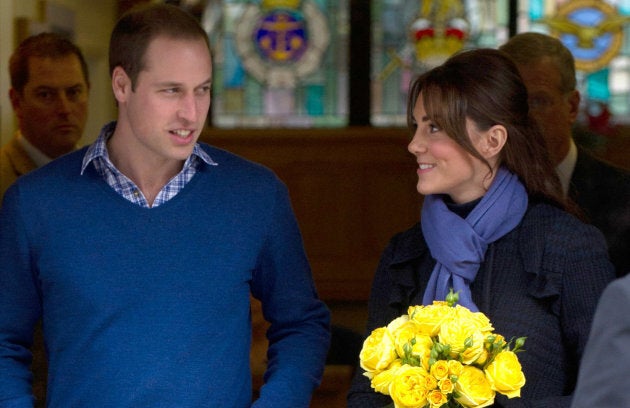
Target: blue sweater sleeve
x=299, y=333
x=19, y=307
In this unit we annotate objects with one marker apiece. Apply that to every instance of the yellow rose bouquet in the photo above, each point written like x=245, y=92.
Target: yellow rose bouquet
x=442, y=356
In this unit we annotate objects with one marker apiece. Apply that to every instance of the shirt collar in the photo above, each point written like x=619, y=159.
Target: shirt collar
x=36, y=155
x=566, y=166
x=99, y=149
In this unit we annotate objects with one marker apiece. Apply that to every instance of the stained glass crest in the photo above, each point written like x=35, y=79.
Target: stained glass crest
x=279, y=62
x=410, y=37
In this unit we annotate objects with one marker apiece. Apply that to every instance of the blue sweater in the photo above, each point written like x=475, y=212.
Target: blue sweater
x=150, y=307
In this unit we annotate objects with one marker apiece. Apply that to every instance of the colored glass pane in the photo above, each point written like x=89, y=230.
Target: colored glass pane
x=279, y=62
x=597, y=32
x=409, y=37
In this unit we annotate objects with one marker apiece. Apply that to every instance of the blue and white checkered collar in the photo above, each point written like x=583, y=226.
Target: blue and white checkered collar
x=99, y=149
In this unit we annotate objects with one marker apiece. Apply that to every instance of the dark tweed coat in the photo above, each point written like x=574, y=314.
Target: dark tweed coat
x=542, y=280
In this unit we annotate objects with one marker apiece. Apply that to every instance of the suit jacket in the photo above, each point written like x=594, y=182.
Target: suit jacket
x=14, y=162
x=602, y=191
x=603, y=380
x=541, y=280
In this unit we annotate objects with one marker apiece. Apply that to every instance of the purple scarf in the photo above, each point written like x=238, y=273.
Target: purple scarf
x=459, y=245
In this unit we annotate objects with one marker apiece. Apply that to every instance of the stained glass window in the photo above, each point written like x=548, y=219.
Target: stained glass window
x=411, y=36
x=598, y=34
x=286, y=62
x=279, y=62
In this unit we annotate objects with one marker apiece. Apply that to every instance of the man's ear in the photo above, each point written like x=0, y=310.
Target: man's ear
x=574, y=105
x=14, y=97
x=121, y=84
x=492, y=141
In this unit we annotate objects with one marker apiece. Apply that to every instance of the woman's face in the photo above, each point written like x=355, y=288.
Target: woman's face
x=444, y=167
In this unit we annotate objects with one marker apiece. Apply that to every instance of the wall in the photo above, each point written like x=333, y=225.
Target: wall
x=93, y=21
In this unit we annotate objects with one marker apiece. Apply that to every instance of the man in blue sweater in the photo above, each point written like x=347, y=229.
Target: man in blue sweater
x=141, y=251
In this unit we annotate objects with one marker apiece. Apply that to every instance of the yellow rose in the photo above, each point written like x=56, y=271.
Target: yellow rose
x=436, y=398
x=465, y=339
x=403, y=335
x=446, y=386
x=380, y=382
x=378, y=351
x=497, y=339
x=439, y=369
x=478, y=319
x=482, y=359
x=408, y=333
x=455, y=368
x=494, y=343
x=505, y=374
x=473, y=390
x=422, y=349
x=431, y=317
x=408, y=387
x=397, y=322
x=430, y=383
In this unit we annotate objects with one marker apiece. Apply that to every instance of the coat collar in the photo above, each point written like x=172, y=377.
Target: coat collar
x=409, y=267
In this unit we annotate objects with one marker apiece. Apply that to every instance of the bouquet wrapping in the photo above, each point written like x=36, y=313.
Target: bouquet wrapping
x=442, y=355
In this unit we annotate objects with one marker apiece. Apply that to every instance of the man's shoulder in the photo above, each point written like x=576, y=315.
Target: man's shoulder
x=599, y=187
x=14, y=163
x=13, y=155
x=589, y=166
x=58, y=169
x=234, y=164
x=615, y=294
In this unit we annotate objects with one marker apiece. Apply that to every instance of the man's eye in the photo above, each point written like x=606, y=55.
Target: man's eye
x=203, y=90
x=539, y=102
x=74, y=93
x=45, y=95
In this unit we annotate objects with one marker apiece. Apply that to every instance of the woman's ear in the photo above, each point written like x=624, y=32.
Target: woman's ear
x=121, y=84
x=492, y=141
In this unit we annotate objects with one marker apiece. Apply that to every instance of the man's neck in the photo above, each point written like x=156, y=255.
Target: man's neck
x=148, y=175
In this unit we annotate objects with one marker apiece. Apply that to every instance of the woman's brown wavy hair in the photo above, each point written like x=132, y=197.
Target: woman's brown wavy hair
x=485, y=86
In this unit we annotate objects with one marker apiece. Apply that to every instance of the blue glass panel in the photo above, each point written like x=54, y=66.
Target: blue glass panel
x=233, y=72
x=536, y=9
x=315, y=100
x=597, y=85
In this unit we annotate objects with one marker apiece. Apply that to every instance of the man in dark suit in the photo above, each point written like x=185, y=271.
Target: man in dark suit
x=600, y=189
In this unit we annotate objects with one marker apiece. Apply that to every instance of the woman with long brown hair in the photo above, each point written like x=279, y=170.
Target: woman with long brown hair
x=494, y=227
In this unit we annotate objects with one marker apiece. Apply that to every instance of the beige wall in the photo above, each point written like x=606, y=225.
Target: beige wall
x=93, y=21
